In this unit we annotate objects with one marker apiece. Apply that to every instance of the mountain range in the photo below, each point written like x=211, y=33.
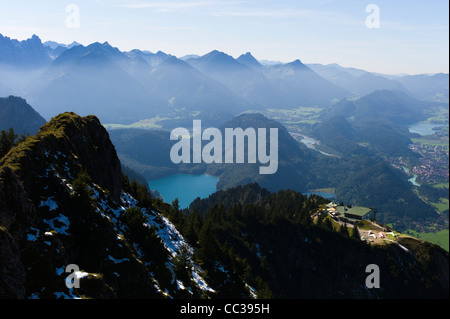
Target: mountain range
x=359, y=82
x=71, y=192
x=101, y=79
x=127, y=87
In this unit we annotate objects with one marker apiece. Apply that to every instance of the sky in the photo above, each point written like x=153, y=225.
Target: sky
x=385, y=36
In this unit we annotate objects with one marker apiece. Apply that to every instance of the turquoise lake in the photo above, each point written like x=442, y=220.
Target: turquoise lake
x=184, y=187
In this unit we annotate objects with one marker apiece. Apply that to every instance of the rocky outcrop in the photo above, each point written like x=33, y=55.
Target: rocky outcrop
x=16, y=211
x=46, y=164
x=62, y=203
x=83, y=143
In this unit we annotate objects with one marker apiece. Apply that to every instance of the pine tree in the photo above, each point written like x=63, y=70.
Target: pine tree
x=182, y=265
x=192, y=227
x=343, y=230
x=209, y=249
x=177, y=217
x=7, y=141
x=355, y=233
x=81, y=184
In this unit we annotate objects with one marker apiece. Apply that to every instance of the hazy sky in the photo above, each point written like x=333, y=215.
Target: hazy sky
x=412, y=36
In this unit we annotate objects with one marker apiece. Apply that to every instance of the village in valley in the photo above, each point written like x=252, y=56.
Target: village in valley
x=432, y=164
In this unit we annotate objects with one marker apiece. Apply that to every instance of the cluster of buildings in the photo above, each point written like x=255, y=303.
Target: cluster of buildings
x=378, y=235
x=434, y=164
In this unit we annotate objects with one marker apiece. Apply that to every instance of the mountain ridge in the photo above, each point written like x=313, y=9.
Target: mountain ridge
x=222, y=82
x=64, y=201
x=249, y=60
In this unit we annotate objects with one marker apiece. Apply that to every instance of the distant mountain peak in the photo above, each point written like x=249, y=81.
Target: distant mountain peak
x=161, y=54
x=297, y=63
x=249, y=59
x=34, y=37
x=73, y=44
x=216, y=54
x=218, y=58
x=29, y=52
x=103, y=48
x=98, y=45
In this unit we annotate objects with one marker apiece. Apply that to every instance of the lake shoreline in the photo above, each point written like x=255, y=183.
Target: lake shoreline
x=424, y=128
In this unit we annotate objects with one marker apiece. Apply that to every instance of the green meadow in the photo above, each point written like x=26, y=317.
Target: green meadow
x=440, y=238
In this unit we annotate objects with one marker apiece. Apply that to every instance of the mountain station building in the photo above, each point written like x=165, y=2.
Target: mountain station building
x=349, y=214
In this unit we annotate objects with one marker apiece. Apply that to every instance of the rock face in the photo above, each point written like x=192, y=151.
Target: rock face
x=15, y=207
x=82, y=139
x=29, y=53
x=36, y=168
x=12, y=278
x=62, y=203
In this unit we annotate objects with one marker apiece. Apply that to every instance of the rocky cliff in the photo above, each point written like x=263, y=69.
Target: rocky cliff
x=62, y=203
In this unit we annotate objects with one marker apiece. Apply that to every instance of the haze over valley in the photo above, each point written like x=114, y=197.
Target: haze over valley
x=353, y=171
x=359, y=119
